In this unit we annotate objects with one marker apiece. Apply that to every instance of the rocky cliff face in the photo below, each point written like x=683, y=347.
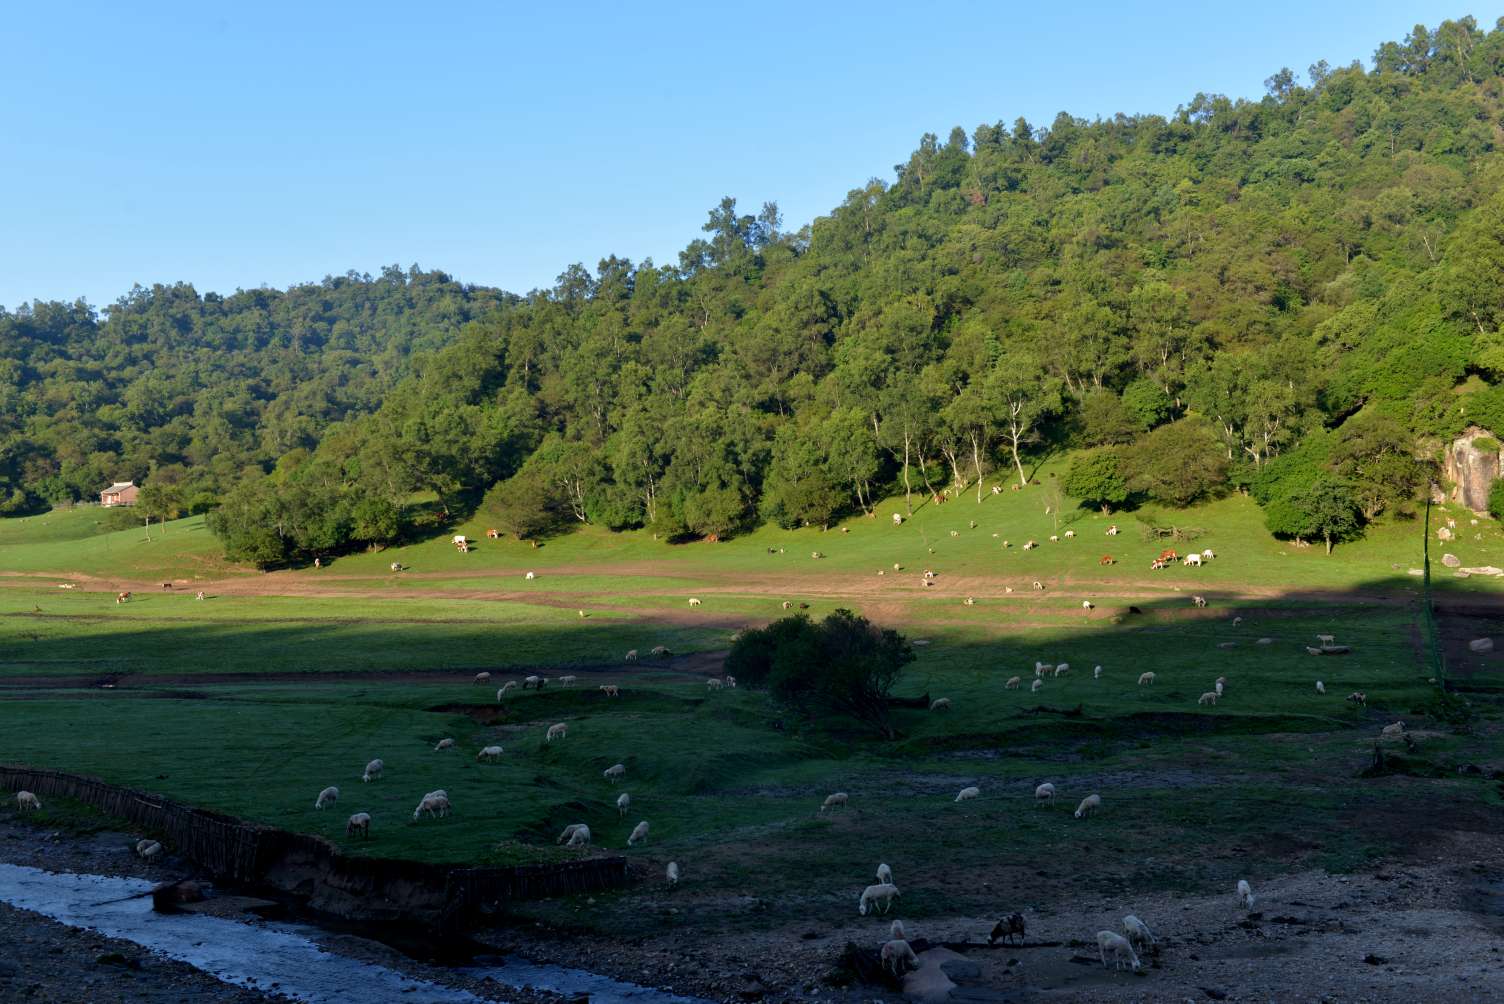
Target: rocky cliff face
x=1472, y=465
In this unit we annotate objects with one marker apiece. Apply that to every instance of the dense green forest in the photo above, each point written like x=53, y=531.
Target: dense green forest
x=1298, y=296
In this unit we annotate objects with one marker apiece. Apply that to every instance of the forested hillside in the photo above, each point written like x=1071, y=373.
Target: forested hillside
x=194, y=392
x=1298, y=296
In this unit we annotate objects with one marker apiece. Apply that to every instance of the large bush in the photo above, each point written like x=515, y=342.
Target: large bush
x=1179, y=463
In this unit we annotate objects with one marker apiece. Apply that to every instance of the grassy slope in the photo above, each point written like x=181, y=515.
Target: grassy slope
x=722, y=787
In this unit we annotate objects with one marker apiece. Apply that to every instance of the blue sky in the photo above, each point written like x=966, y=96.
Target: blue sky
x=272, y=143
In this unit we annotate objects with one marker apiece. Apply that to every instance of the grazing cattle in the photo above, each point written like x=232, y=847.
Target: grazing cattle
x=123, y=597
x=396, y=566
x=610, y=690
x=1107, y=559
x=1157, y=564
x=1168, y=554
x=1113, y=531
x=167, y=585
x=493, y=534
x=199, y=595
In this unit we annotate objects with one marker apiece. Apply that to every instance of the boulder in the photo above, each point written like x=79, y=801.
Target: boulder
x=1472, y=464
x=1481, y=645
x=1451, y=560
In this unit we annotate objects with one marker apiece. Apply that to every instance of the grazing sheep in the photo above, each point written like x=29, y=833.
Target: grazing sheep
x=327, y=797
x=615, y=772
x=1087, y=605
x=148, y=850
x=1005, y=930
x=1237, y=621
x=1096, y=673
x=1326, y=640
x=435, y=804
x=569, y=831
x=897, y=519
x=27, y=802
x=1113, y=531
x=1320, y=687
x=1038, y=586
x=1062, y=669
x=559, y=730
x=1034, y=687
x=672, y=873
x=714, y=683
x=955, y=533
x=831, y=801
x=1122, y=951
x=731, y=682
x=884, y=893
x=1070, y=533
x=567, y=681
x=1030, y=545
x=694, y=601
x=897, y=956
x=1392, y=731
x=1207, y=555
x=967, y=794
x=897, y=567
x=786, y=604
x=1012, y=684
x=1210, y=697
x=816, y=555
x=1044, y=793
x=443, y=744
x=580, y=837
x=632, y=655
x=1054, y=538
x=395, y=566
x=611, y=690
x=1199, y=601
x=970, y=601
x=940, y=704
x=623, y=803
x=1359, y=698
x=1089, y=804
x=501, y=692
x=1138, y=932
x=373, y=770
x=530, y=576
x=639, y=834
x=1245, y=894
x=359, y=823
x=1192, y=560
x=660, y=652
x=198, y=595
x=1144, y=678
x=490, y=754
x=536, y=682
x=885, y=874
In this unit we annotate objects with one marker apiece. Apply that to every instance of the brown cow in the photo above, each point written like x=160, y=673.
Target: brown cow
x=122, y=597
x=1107, y=559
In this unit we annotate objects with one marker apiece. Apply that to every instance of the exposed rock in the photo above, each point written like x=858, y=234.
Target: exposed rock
x=1481, y=645
x=1451, y=561
x=1472, y=465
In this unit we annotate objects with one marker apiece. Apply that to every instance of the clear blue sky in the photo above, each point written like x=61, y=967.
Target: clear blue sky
x=272, y=143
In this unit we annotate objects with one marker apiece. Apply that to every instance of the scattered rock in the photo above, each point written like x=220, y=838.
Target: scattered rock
x=1451, y=561
x=1375, y=960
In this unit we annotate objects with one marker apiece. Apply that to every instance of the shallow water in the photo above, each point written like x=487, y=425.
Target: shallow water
x=262, y=954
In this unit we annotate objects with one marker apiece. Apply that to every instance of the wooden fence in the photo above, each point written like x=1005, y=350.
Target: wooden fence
x=315, y=870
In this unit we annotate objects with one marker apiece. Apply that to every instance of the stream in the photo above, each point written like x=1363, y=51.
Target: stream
x=285, y=955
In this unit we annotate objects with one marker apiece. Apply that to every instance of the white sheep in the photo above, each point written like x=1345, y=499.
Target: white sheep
x=502, y=691
x=568, y=832
x=1122, y=951
x=968, y=793
x=1112, y=531
x=1193, y=560
x=940, y=704
x=672, y=873
x=884, y=893
x=1138, y=932
x=148, y=850
x=580, y=837
x=1320, y=687
x=1096, y=673
x=623, y=803
x=373, y=770
x=1013, y=683
x=639, y=834
x=885, y=874
x=443, y=744
x=1089, y=805
x=434, y=803
x=1210, y=697
x=1044, y=793
x=694, y=601
x=1054, y=538
x=1062, y=669
x=482, y=677
x=1392, y=731
x=1038, y=586
x=1207, y=555
x=327, y=797
x=1145, y=678
x=359, y=823
x=567, y=681
x=1199, y=601
x=896, y=955
x=970, y=601
x=610, y=690
x=714, y=683
x=530, y=576
x=831, y=801
x=615, y=772
x=1245, y=894
x=1040, y=669
x=489, y=754
x=660, y=652
x=1034, y=687
x=559, y=730
x=631, y=655
x=897, y=519
x=731, y=682
x=1070, y=533
x=1088, y=605
x=533, y=681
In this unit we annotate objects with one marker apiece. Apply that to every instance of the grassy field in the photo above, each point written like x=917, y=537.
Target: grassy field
x=276, y=685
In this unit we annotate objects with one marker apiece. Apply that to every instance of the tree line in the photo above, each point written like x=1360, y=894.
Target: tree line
x=1297, y=296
